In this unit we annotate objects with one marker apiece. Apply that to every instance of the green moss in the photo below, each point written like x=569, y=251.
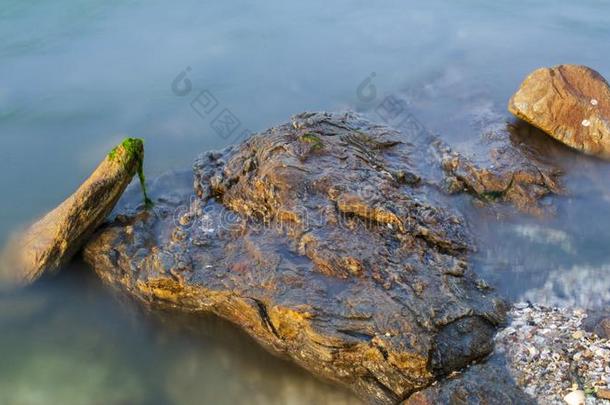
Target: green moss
x=492, y=195
x=134, y=148
x=314, y=139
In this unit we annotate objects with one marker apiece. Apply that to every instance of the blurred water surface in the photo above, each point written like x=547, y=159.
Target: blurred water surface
x=76, y=76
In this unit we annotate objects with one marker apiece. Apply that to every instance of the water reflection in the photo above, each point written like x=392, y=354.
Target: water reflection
x=72, y=341
x=560, y=259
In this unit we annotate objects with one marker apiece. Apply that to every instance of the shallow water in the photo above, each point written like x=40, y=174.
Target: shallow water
x=76, y=77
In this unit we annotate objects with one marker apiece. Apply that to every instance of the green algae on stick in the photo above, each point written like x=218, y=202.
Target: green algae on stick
x=134, y=148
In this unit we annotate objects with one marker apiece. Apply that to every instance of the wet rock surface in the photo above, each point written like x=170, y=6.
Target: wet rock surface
x=486, y=383
x=571, y=103
x=513, y=172
x=330, y=240
x=598, y=322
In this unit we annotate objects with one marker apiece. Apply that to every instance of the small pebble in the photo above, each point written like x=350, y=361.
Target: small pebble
x=585, y=123
x=593, y=101
x=578, y=334
x=185, y=220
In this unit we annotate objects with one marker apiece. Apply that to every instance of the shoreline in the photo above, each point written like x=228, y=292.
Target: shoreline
x=547, y=351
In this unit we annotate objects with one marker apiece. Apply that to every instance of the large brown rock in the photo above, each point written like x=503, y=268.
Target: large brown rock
x=330, y=240
x=571, y=103
x=50, y=243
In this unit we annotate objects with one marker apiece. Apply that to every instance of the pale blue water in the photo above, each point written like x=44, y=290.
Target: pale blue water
x=77, y=76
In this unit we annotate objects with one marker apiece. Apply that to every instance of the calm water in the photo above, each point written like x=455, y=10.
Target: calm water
x=77, y=76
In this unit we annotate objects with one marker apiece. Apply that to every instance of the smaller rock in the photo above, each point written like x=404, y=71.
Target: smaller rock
x=598, y=322
x=571, y=103
x=603, y=328
x=578, y=334
x=185, y=219
x=576, y=397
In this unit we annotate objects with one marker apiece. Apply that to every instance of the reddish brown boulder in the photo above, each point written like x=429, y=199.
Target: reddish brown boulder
x=571, y=103
x=324, y=241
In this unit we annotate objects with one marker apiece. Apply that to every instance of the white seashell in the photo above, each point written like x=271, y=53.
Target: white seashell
x=575, y=398
x=585, y=123
x=533, y=351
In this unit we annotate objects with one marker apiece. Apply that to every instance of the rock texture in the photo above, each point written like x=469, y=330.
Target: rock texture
x=598, y=322
x=51, y=242
x=481, y=384
x=571, y=103
x=330, y=240
x=519, y=175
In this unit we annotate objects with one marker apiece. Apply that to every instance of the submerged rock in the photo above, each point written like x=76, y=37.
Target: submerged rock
x=50, y=243
x=514, y=172
x=330, y=240
x=571, y=103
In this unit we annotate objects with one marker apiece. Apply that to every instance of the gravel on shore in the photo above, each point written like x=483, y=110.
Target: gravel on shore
x=549, y=354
